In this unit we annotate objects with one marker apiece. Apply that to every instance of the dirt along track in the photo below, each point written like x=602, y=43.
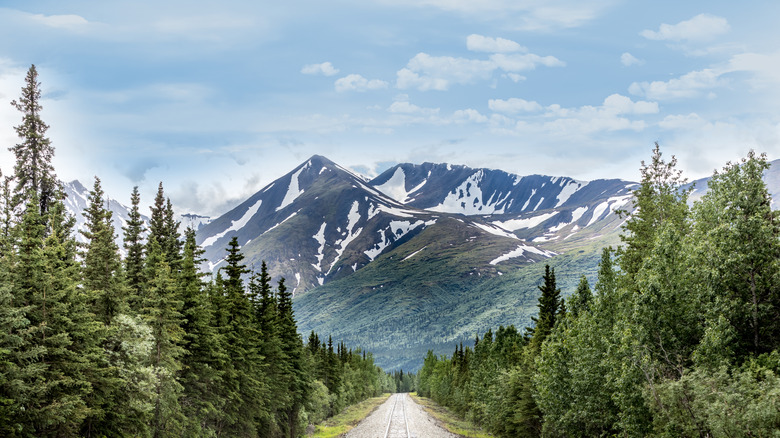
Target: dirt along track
x=399, y=417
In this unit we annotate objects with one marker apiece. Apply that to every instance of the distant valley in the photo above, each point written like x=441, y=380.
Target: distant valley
x=421, y=257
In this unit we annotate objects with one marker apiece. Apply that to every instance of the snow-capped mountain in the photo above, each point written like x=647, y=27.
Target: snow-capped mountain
x=76, y=201
x=321, y=222
x=537, y=208
x=460, y=189
x=192, y=220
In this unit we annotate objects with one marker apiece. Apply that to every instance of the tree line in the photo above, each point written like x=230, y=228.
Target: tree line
x=96, y=345
x=681, y=336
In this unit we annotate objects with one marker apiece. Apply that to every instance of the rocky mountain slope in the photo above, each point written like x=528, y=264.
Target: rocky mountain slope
x=320, y=222
x=421, y=256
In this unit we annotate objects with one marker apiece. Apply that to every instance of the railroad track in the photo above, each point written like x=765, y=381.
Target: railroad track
x=397, y=426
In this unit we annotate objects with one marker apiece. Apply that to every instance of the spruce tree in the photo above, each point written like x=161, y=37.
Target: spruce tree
x=294, y=375
x=173, y=244
x=162, y=312
x=102, y=265
x=52, y=346
x=165, y=230
x=245, y=405
x=133, y=242
x=33, y=171
x=550, y=305
x=201, y=375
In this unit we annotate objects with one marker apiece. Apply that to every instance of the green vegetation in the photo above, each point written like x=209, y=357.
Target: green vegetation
x=680, y=338
x=400, y=310
x=91, y=345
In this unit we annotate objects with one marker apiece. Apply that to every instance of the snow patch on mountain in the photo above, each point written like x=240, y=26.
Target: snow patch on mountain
x=569, y=189
x=235, y=225
x=395, y=187
x=352, y=219
x=468, y=198
x=613, y=203
x=398, y=230
x=528, y=201
x=495, y=230
x=320, y=238
x=292, y=190
x=285, y=220
x=413, y=254
x=530, y=222
x=520, y=251
x=577, y=213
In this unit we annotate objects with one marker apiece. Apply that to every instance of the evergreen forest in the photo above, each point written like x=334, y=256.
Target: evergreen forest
x=679, y=337
x=97, y=345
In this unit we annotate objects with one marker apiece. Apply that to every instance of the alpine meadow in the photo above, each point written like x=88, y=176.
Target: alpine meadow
x=387, y=219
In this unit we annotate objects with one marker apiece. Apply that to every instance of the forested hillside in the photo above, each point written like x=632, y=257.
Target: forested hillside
x=95, y=345
x=681, y=336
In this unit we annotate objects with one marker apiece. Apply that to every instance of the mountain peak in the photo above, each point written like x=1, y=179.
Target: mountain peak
x=320, y=160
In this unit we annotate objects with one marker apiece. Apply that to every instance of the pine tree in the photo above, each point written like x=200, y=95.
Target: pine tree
x=173, y=244
x=165, y=230
x=295, y=375
x=102, y=265
x=157, y=219
x=550, y=305
x=51, y=347
x=162, y=312
x=245, y=406
x=201, y=376
x=33, y=171
x=134, y=260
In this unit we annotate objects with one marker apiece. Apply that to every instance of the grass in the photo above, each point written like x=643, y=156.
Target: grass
x=342, y=423
x=448, y=420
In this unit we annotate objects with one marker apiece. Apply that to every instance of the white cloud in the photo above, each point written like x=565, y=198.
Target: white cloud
x=404, y=107
x=682, y=121
x=688, y=85
x=519, y=14
x=68, y=22
x=479, y=43
x=355, y=82
x=628, y=60
x=325, y=68
x=513, y=105
x=515, y=77
x=702, y=27
x=529, y=61
x=619, y=104
x=763, y=66
x=469, y=115
x=426, y=72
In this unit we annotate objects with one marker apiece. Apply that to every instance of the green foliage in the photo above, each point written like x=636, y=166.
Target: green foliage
x=681, y=340
x=186, y=357
x=102, y=273
x=33, y=171
x=134, y=260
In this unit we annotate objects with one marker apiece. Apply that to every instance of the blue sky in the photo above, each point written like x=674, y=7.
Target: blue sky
x=217, y=100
